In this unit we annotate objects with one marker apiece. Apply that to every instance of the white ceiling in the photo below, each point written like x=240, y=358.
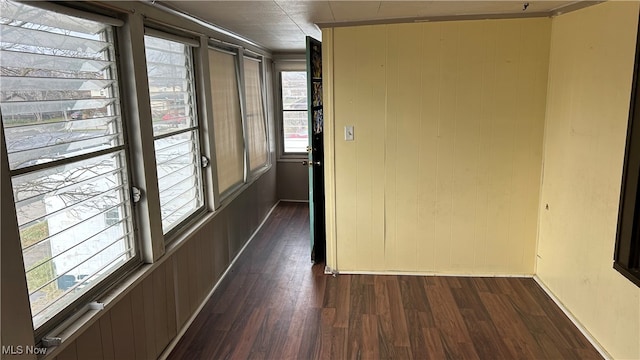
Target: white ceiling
x=281, y=25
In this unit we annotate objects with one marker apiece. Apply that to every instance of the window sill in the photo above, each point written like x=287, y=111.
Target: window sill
x=236, y=190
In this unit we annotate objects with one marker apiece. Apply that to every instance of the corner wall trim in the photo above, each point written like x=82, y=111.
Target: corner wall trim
x=573, y=319
x=167, y=351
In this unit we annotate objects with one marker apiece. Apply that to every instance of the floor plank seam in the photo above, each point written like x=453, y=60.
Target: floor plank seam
x=573, y=319
x=167, y=351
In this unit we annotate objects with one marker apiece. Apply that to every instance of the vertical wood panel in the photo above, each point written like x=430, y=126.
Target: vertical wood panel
x=107, y=338
x=427, y=177
x=149, y=316
x=346, y=70
x=220, y=245
x=183, y=302
x=170, y=295
x=472, y=48
x=408, y=124
x=448, y=80
x=69, y=353
x=369, y=173
x=122, y=329
x=89, y=344
x=140, y=333
x=391, y=157
x=192, y=267
x=160, y=318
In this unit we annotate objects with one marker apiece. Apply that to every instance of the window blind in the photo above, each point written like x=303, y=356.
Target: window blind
x=256, y=126
x=227, y=119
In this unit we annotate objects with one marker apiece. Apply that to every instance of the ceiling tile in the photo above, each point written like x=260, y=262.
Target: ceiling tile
x=281, y=25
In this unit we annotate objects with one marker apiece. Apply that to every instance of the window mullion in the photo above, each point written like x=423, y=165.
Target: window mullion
x=243, y=111
x=205, y=103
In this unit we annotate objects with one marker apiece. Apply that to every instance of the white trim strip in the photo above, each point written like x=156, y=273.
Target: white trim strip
x=171, y=37
x=428, y=273
x=573, y=319
x=61, y=9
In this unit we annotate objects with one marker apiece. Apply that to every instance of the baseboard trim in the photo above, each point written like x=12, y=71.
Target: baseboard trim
x=573, y=319
x=294, y=201
x=167, y=351
x=329, y=270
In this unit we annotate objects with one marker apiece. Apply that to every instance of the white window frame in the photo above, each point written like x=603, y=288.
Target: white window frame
x=81, y=302
x=284, y=66
x=255, y=173
x=194, y=46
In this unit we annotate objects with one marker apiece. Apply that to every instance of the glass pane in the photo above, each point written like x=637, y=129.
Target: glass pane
x=62, y=225
x=295, y=131
x=254, y=114
x=294, y=90
x=13, y=61
x=39, y=39
x=169, y=69
x=11, y=13
x=54, y=80
x=178, y=165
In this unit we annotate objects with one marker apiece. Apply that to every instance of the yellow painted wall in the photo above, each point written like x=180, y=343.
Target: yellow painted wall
x=444, y=172
x=590, y=72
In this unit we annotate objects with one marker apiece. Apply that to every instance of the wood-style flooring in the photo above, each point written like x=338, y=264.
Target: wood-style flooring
x=274, y=304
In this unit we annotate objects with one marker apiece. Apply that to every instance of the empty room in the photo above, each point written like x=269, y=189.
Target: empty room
x=285, y=179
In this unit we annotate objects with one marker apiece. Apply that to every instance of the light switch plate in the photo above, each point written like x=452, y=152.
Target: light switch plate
x=348, y=133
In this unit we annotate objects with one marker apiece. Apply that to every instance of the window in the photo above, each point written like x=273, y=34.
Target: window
x=295, y=132
x=227, y=119
x=254, y=114
x=175, y=129
x=67, y=155
x=627, y=251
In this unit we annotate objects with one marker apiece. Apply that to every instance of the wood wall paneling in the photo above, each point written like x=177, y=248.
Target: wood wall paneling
x=443, y=175
x=590, y=75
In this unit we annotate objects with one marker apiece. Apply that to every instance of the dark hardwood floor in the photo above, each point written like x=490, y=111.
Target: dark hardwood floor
x=274, y=304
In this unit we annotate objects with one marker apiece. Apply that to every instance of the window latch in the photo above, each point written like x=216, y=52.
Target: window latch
x=204, y=161
x=136, y=194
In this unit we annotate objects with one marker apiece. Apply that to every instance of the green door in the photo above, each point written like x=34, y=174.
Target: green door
x=316, y=150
